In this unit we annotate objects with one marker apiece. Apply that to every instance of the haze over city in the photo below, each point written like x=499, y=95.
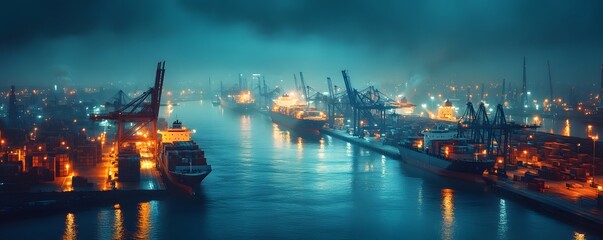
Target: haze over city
x=386, y=44
x=301, y=119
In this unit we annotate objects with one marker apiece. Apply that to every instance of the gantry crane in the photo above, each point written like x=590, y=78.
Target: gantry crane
x=119, y=99
x=142, y=112
x=495, y=134
x=338, y=103
x=366, y=104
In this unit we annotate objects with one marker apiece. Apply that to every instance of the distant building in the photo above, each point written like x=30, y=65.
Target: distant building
x=446, y=112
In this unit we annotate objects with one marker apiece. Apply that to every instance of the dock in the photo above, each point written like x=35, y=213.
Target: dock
x=568, y=199
x=576, y=205
x=370, y=143
x=96, y=187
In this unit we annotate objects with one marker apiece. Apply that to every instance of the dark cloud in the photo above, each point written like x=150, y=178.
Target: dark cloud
x=28, y=20
x=412, y=22
x=386, y=40
x=432, y=31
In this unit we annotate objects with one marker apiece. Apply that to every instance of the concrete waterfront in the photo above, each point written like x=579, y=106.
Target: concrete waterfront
x=572, y=200
x=100, y=187
x=370, y=143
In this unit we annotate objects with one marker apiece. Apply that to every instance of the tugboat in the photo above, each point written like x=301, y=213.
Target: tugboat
x=441, y=152
x=181, y=159
x=287, y=112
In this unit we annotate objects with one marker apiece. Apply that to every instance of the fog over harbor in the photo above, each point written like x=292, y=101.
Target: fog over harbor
x=391, y=44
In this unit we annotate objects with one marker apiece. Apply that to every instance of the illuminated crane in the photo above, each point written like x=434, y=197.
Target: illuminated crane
x=338, y=105
x=367, y=104
x=495, y=134
x=142, y=112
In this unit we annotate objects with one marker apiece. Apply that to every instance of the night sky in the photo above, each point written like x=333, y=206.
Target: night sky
x=384, y=42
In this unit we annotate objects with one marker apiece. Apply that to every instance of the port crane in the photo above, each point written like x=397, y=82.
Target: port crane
x=266, y=95
x=337, y=103
x=303, y=87
x=304, y=91
x=495, y=134
x=315, y=96
x=141, y=112
x=366, y=104
x=119, y=99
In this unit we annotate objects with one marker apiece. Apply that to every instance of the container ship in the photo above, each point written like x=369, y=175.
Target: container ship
x=441, y=152
x=287, y=112
x=181, y=159
x=241, y=101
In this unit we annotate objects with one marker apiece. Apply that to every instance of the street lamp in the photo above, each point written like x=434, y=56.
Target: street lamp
x=590, y=128
x=595, y=138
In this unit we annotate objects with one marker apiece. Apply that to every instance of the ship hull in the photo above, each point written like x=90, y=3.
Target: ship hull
x=467, y=170
x=186, y=182
x=238, y=107
x=304, y=125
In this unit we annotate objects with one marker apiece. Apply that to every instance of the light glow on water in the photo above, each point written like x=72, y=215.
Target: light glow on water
x=502, y=220
x=118, y=223
x=144, y=220
x=565, y=126
x=271, y=183
x=70, y=232
x=447, y=214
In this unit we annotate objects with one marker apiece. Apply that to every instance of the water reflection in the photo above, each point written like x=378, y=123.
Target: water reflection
x=144, y=220
x=338, y=191
x=420, y=200
x=502, y=219
x=281, y=138
x=300, y=148
x=447, y=214
x=118, y=223
x=245, y=138
x=579, y=236
x=104, y=231
x=383, y=168
x=567, y=128
x=348, y=149
x=70, y=227
x=168, y=111
x=321, y=149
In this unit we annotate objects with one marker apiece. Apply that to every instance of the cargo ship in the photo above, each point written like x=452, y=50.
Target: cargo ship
x=181, y=160
x=441, y=152
x=290, y=113
x=241, y=101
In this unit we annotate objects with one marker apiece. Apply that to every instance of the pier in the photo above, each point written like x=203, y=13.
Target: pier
x=77, y=170
x=570, y=199
x=93, y=186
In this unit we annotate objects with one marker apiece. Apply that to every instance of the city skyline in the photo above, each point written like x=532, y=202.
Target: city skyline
x=385, y=44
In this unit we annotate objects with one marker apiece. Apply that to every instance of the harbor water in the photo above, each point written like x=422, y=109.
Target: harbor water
x=271, y=183
x=565, y=126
